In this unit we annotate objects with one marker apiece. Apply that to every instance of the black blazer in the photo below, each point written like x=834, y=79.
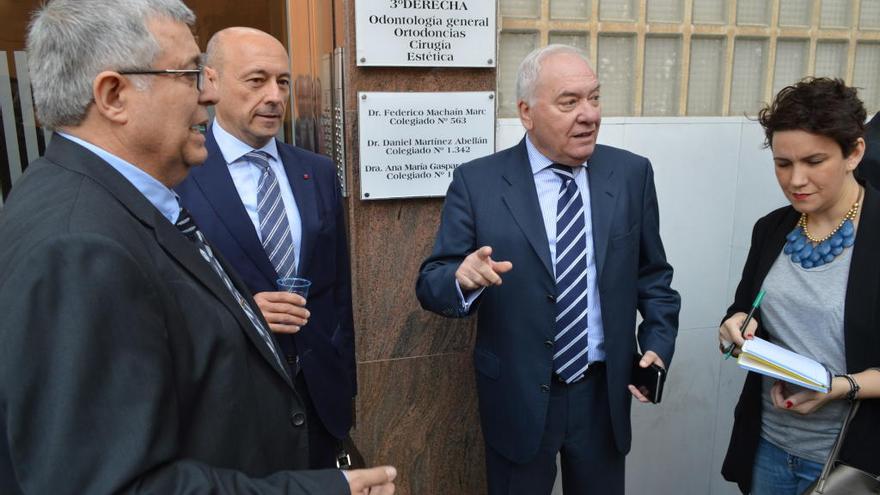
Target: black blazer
x=125, y=364
x=861, y=337
x=869, y=168
x=493, y=201
x=326, y=344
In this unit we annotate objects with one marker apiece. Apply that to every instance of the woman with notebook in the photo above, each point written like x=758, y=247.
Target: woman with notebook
x=818, y=261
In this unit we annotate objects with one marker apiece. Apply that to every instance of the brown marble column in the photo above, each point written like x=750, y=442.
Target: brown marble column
x=417, y=406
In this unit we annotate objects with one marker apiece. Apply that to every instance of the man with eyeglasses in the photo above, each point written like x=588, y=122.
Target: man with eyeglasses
x=132, y=358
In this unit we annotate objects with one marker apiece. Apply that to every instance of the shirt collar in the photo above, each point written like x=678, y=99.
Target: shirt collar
x=540, y=162
x=164, y=199
x=233, y=149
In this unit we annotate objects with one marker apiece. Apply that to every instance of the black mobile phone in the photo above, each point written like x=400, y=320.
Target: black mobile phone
x=648, y=380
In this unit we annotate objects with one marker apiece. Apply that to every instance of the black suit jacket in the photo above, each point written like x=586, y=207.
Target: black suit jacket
x=125, y=364
x=326, y=344
x=493, y=201
x=869, y=168
x=860, y=328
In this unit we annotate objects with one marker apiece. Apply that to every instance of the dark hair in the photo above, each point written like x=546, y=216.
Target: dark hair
x=822, y=106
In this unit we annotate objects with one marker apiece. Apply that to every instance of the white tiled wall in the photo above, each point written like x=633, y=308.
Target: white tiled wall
x=714, y=179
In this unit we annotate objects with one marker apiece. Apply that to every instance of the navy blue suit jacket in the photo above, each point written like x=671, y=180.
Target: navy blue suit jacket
x=326, y=344
x=493, y=202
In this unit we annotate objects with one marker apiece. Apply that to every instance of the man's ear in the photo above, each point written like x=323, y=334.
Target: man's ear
x=212, y=76
x=525, y=114
x=112, y=93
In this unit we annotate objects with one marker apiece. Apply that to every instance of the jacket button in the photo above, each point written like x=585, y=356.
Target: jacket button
x=548, y=344
x=545, y=388
x=298, y=419
x=551, y=298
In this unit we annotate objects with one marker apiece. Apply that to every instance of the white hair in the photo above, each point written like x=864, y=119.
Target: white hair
x=530, y=68
x=70, y=42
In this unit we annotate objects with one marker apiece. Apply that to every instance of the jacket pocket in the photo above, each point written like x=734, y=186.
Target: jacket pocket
x=487, y=363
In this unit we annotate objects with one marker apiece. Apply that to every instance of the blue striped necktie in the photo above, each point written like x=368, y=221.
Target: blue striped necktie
x=570, y=358
x=187, y=226
x=274, y=226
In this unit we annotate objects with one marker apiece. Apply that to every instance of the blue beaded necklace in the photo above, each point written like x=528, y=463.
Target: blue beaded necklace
x=811, y=252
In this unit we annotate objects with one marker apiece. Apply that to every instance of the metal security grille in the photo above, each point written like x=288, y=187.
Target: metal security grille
x=698, y=57
x=21, y=140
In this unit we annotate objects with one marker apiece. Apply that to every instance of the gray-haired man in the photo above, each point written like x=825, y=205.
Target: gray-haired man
x=131, y=358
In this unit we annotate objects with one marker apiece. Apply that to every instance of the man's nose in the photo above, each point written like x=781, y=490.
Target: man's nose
x=589, y=112
x=275, y=92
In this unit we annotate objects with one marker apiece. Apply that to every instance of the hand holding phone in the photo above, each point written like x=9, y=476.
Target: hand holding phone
x=648, y=380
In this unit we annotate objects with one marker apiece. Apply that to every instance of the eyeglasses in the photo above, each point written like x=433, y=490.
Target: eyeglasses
x=199, y=73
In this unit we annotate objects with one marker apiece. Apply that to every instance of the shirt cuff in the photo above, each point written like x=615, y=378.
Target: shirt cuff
x=467, y=301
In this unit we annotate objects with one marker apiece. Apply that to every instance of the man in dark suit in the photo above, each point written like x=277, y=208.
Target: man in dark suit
x=248, y=170
x=869, y=168
x=131, y=356
x=576, y=225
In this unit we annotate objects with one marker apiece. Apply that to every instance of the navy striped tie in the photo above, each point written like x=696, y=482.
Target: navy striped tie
x=187, y=227
x=570, y=358
x=274, y=226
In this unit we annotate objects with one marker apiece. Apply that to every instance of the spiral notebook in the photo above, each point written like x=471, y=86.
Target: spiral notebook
x=769, y=359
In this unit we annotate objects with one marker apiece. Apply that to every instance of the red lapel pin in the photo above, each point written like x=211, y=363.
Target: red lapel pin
x=306, y=176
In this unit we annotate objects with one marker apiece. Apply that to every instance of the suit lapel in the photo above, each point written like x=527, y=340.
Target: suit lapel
x=302, y=182
x=603, y=201
x=216, y=183
x=521, y=199
x=860, y=328
x=71, y=155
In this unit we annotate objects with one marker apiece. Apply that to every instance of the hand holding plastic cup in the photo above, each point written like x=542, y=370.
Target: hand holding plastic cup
x=295, y=285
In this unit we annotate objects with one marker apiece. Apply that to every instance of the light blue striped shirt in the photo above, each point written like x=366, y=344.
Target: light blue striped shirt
x=246, y=177
x=548, y=183
x=163, y=198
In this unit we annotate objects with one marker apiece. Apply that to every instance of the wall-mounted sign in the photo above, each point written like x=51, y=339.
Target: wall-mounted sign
x=425, y=33
x=410, y=143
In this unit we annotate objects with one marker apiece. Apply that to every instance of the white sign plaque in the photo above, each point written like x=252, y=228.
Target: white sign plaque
x=425, y=33
x=410, y=143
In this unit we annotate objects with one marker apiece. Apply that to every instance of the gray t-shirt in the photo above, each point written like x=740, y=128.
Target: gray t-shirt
x=803, y=311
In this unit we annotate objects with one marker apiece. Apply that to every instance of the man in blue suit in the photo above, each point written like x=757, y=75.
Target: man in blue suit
x=576, y=225
x=275, y=210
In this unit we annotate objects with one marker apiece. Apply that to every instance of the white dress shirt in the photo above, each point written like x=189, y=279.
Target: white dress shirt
x=246, y=177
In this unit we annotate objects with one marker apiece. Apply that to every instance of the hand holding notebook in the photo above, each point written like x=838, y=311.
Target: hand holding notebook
x=769, y=359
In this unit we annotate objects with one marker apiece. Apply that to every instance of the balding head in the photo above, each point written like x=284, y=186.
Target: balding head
x=232, y=36
x=253, y=80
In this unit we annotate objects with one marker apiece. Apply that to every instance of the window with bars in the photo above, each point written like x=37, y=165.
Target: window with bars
x=697, y=57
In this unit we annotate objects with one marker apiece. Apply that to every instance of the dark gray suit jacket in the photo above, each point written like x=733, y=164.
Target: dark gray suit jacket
x=492, y=201
x=125, y=364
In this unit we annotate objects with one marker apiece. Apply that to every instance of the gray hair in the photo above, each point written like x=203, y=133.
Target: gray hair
x=70, y=42
x=530, y=68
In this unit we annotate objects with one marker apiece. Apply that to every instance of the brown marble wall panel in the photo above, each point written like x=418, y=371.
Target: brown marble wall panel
x=416, y=404
x=390, y=238
x=420, y=415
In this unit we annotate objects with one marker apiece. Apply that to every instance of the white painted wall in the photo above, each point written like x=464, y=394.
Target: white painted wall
x=714, y=180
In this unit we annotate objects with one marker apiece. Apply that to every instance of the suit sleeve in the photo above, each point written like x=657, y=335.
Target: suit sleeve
x=86, y=378
x=435, y=287
x=658, y=303
x=344, y=334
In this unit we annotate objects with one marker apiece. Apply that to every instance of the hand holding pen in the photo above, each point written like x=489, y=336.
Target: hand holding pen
x=735, y=329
